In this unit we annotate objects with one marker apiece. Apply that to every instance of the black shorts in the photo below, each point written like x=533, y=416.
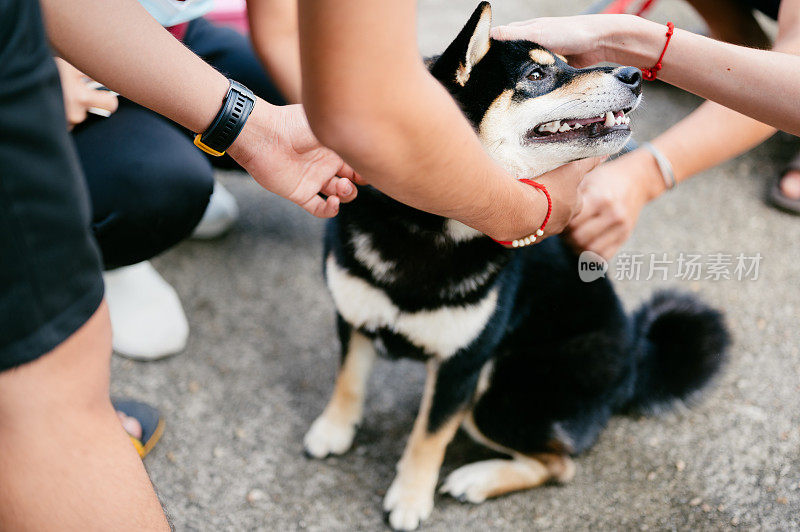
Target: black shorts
x=50, y=282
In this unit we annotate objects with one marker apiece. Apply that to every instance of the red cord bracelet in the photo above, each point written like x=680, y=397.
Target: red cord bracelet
x=530, y=239
x=650, y=74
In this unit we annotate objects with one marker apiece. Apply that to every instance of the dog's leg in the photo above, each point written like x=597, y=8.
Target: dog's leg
x=333, y=431
x=482, y=480
x=409, y=500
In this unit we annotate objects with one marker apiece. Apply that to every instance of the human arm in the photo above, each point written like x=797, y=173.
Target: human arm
x=274, y=32
x=369, y=97
x=764, y=85
x=143, y=62
x=615, y=193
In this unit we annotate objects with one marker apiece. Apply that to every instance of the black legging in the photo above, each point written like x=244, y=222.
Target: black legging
x=149, y=185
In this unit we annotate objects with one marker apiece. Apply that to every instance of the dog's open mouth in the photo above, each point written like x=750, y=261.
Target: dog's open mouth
x=585, y=127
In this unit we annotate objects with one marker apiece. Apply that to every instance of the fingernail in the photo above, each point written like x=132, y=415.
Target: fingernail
x=348, y=187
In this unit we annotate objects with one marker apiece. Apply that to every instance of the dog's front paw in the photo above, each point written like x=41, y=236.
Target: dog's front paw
x=407, y=505
x=326, y=437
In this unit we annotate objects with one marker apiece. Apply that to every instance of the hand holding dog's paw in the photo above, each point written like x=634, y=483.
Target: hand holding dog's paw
x=407, y=505
x=326, y=437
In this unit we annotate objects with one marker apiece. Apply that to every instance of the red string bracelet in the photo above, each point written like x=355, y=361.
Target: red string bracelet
x=650, y=74
x=530, y=239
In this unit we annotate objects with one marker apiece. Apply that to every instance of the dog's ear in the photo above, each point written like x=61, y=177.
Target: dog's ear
x=471, y=45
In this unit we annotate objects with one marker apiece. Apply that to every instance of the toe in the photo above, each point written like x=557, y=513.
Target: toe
x=790, y=185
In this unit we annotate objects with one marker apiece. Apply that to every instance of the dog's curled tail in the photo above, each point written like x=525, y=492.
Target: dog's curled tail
x=681, y=343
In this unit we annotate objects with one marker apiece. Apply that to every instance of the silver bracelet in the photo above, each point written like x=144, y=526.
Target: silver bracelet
x=663, y=164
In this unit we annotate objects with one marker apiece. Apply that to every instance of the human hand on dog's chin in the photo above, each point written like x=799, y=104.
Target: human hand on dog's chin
x=614, y=195
x=564, y=186
x=582, y=39
x=278, y=149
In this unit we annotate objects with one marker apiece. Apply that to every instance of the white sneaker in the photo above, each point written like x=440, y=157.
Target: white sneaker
x=221, y=213
x=147, y=319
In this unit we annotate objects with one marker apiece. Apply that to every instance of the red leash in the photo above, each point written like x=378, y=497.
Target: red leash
x=530, y=239
x=650, y=74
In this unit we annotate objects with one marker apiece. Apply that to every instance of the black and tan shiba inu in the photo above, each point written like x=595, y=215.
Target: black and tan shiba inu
x=528, y=359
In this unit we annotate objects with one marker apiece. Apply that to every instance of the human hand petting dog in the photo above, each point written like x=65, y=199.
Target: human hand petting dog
x=566, y=192
x=612, y=201
x=79, y=96
x=278, y=149
x=580, y=38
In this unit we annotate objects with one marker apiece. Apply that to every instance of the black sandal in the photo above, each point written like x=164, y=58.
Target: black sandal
x=775, y=195
x=148, y=417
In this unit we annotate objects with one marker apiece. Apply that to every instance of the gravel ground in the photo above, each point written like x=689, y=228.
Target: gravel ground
x=262, y=355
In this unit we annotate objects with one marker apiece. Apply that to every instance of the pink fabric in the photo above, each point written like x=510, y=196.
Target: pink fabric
x=231, y=13
x=178, y=31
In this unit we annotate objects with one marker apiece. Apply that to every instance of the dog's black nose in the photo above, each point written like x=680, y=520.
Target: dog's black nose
x=630, y=76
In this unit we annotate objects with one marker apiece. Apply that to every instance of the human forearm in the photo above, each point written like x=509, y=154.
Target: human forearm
x=273, y=30
x=143, y=62
x=709, y=136
x=120, y=45
x=396, y=124
x=761, y=84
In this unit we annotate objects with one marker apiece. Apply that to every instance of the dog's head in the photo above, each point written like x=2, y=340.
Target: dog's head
x=532, y=111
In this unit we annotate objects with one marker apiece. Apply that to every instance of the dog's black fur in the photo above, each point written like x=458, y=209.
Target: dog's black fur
x=562, y=354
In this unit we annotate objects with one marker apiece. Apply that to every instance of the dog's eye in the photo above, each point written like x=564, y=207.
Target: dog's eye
x=536, y=75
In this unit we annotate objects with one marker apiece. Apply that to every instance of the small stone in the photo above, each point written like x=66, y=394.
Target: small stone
x=721, y=508
x=239, y=433
x=784, y=435
x=680, y=465
x=170, y=456
x=255, y=495
x=194, y=386
x=695, y=502
x=219, y=452
x=761, y=324
x=652, y=442
x=705, y=507
x=651, y=475
x=782, y=500
x=735, y=521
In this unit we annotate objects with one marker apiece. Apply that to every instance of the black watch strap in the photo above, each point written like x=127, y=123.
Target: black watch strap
x=236, y=107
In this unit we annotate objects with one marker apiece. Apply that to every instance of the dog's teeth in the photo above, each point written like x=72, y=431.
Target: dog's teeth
x=578, y=126
x=618, y=121
x=564, y=128
x=610, y=120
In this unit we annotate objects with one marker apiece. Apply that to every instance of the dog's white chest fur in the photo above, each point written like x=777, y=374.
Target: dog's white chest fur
x=441, y=332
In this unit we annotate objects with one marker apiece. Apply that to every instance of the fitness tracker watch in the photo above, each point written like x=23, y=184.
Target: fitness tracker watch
x=226, y=126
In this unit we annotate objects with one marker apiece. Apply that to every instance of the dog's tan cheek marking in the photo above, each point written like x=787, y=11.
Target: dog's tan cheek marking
x=347, y=402
x=542, y=57
x=492, y=125
x=562, y=58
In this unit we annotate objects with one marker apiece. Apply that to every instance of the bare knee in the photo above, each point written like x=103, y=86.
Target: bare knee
x=74, y=374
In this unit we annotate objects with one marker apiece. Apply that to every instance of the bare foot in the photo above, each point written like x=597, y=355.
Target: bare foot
x=790, y=185
x=131, y=425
